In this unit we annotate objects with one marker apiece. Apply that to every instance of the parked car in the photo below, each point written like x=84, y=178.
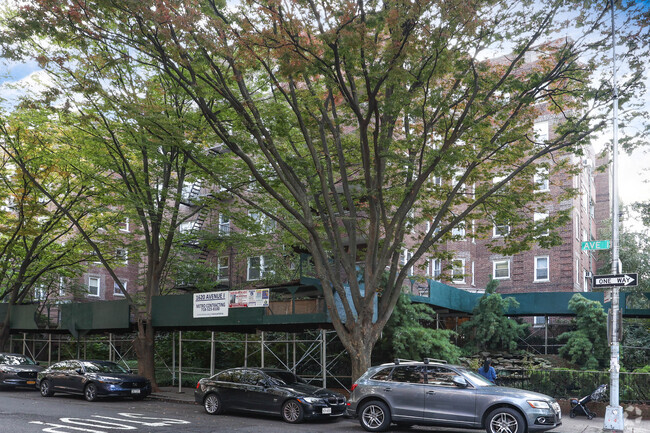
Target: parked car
x=18, y=370
x=93, y=379
x=268, y=391
x=434, y=393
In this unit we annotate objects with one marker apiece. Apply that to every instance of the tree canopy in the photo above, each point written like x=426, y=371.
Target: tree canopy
x=352, y=123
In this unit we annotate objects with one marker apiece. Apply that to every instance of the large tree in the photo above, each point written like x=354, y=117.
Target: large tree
x=358, y=120
x=39, y=247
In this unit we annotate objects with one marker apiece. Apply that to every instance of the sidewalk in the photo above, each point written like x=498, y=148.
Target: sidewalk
x=569, y=425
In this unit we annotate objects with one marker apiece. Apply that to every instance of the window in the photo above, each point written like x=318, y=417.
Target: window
x=441, y=376
x=255, y=269
x=224, y=224
x=408, y=374
x=541, y=269
x=459, y=230
x=501, y=269
x=541, y=131
x=458, y=271
x=262, y=223
x=500, y=230
x=404, y=258
x=40, y=293
x=473, y=279
x=584, y=236
x=382, y=374
x=116, y=288
x=122, y=255
x=433, y=268
x=125, y=226
x=93, y=286
x=539, y=321
x=540, y=219
x=541, y=180
x=185, y=227
x=61, y=286
x=223, y=265
x=578, y=273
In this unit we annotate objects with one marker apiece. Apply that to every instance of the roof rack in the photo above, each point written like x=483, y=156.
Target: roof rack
x=440, y=361
x=398, y=360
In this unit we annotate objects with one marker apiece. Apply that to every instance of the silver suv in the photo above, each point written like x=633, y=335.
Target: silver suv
x=434, y=393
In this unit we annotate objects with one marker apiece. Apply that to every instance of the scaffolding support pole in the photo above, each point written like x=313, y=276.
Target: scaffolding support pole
x=323, y=356
x=212, y=354
x=180, y=360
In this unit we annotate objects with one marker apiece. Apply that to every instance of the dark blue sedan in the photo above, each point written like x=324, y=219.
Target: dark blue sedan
x=92, y=379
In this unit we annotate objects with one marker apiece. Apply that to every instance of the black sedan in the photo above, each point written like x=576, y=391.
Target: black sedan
x=268, y=391
x=93, y=379
x=18, y=370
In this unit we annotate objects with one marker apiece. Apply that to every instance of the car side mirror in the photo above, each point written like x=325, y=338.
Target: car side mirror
x=262, y=383
x=79, y=371
x=460, y=382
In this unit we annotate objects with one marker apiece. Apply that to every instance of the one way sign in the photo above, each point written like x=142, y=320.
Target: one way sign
x=617, y=280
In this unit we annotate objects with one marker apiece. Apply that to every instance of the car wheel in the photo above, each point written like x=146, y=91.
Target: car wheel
x=46, y=389
x=90, y=392
x=374, y=416
x=212, y=404
x=572, y=414
x=505, y=420
x=292, y=412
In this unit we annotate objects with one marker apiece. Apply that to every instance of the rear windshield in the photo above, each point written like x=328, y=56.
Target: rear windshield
x=15, y=360
x=284, y=377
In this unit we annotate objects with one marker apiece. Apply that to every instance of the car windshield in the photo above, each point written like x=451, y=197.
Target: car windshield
x=284, y=377
x=16, y=360
x=477, y=378
x=103, y=367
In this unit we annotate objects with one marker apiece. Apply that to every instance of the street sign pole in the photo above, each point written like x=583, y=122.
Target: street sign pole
x=614, y=413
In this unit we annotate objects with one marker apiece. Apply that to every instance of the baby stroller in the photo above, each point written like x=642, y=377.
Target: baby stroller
x=579, y=406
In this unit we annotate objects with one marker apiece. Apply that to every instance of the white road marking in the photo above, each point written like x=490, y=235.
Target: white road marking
x=97, y=423
x=66, y=427
x=90, y=425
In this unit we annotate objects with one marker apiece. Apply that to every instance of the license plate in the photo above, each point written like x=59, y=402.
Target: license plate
x=327, y=410
x=31, y=382
x=135, y=391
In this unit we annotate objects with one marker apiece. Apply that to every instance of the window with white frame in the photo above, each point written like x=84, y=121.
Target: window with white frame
x=458, y=271
x=541, y=131
x=501, y=269
x=539, y=321
x=185, y=227
x=541, y=180
x=93, y=286
x=404, y=258
x=473, y=274
x=255, y=268
x=125, y=225
x=459, y=230
x=540, y=219
x=224, y=224
x=116, y=288
x=578, y=273
x=500, y=230
x=434, y=268
x=40, y=293
x=541, y=268
x=223, y=268
x=122, y=255
x=584, y=236
x=62, y=286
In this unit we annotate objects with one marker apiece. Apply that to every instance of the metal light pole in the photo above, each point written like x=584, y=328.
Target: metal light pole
x=614, y=414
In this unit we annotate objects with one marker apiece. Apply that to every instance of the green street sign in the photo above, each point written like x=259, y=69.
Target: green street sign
x=595, y=245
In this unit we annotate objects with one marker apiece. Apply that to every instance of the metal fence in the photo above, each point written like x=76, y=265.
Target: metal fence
x=634, y=387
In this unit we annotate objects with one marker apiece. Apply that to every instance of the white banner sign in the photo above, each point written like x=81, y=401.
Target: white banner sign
x=211, y=304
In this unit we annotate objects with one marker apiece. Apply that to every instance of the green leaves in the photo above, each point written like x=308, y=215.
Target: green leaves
x=587, y=345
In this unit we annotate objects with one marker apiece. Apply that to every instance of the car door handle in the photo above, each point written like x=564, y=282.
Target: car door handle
x=431, y=392
x=387, y=389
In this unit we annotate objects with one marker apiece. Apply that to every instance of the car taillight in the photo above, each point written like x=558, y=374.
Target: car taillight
x=198, y=384
x=354, y=385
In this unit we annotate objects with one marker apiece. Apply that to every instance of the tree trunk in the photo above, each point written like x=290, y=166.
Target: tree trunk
x=360, y=352
x=144, y=349
x=5, y=332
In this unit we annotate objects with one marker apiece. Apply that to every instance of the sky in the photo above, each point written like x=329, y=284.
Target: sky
x=634, y=169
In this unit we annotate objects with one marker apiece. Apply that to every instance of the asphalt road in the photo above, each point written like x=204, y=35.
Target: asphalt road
x=25, y=411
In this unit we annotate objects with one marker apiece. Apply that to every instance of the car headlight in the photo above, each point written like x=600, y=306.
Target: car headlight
x=539, y=404
x=311, y=400
x=111, y=380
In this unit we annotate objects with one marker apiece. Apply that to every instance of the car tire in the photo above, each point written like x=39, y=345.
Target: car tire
x=90, y=392
x=505, y=420
x=292, y=412
x=212, y=404
x=46, y=389
x=374, y=416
